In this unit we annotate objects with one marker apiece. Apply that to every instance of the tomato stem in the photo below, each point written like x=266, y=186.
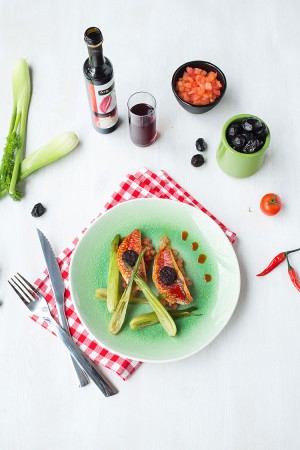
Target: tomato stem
x=274, y=201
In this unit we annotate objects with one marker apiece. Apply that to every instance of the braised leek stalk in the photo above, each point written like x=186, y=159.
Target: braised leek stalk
x=113, y=275
x=118, y=317
x=162, y=314
x=145, y=320
x=58, y=147
x=101, y=294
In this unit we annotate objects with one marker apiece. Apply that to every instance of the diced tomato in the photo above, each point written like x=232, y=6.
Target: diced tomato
x=198, y=87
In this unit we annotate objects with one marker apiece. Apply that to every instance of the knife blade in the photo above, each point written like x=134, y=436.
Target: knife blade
x=59, y=291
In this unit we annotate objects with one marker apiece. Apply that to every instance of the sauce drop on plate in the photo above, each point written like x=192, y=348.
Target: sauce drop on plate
x=207, y=277
x=184, y=235
x=195, y=246
x=201, y=258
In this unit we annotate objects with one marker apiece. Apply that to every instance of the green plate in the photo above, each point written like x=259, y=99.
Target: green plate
x=156, y=218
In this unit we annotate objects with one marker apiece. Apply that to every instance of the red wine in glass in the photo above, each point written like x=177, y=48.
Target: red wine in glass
x=142, y=120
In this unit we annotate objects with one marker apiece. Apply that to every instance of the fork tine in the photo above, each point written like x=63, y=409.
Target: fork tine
x=26, y=292
x=28, y=284
x=18, y=293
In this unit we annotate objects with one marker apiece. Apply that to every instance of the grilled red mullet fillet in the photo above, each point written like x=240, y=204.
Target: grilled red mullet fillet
x=128, y=252
x=168, y=278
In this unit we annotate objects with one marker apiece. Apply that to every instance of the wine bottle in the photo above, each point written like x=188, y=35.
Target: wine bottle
x=99, y=75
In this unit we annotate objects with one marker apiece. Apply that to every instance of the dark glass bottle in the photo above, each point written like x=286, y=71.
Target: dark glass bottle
x=99, y=75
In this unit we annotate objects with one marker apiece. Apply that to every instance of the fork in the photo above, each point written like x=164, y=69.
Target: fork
x=38, y=305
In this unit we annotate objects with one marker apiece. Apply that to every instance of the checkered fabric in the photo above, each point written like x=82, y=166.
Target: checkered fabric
x=144, y=184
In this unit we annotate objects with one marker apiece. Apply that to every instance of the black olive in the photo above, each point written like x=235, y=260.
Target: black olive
x=233, y=130
x=239, y=141
x=251, y=146
x=247, y=135
x=38, y=210
x=258, y=125
x=248, y=123
x=262, y=132
x=261, y=144
x=130, y=257
x=197, y=160
x=167, y=275
x=201, y=145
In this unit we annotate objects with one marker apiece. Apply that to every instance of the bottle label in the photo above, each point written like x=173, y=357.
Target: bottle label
x=103, y=103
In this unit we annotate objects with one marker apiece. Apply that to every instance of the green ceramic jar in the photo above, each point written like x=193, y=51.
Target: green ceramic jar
x=234, y=163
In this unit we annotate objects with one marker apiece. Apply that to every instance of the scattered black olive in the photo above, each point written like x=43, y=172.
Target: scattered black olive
x=167, y=275
x=201, y=145
x=130, y=257
x=38, y=210
x=197, y=160
x=238, y=141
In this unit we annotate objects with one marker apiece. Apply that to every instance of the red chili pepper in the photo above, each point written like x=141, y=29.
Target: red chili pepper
x=276, y=261
x=293, y=276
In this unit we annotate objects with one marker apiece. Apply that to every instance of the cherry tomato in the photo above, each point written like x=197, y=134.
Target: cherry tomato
x=270, y=204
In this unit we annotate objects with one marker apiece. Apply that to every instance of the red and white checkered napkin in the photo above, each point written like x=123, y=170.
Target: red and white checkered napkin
x=143, y=184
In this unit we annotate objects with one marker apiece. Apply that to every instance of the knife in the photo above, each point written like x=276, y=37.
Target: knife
x=59, y=290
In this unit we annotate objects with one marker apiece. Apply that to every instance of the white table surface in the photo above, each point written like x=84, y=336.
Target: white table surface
x=242, y=392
